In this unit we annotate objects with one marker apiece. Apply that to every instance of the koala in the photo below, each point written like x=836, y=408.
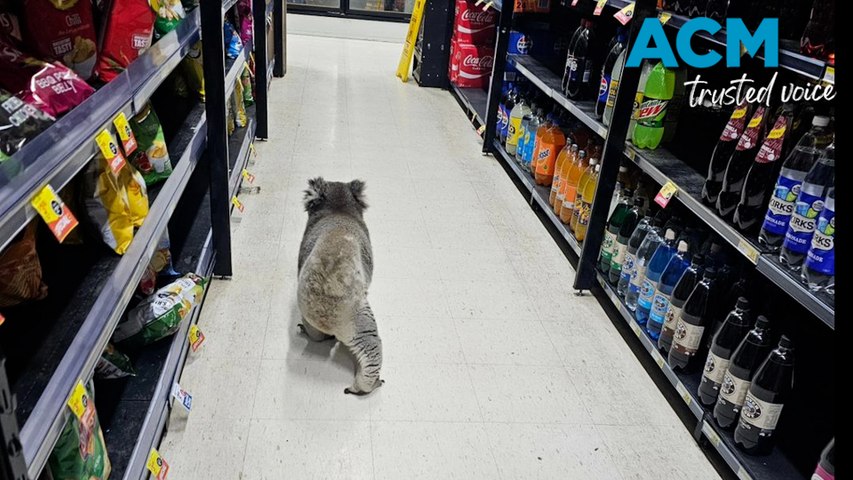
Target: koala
x=335, y=269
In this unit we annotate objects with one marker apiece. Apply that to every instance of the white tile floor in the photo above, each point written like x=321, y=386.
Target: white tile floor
x=494, y=368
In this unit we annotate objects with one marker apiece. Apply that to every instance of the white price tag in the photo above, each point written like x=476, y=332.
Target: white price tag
x=183, y=397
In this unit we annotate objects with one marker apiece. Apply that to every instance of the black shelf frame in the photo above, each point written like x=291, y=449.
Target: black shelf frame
x=474, y=101
x=663, y=168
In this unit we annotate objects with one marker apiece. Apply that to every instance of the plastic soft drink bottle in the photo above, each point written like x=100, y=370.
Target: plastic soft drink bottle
x=825, y=469
x=611, y=231
x=738, y=165
x=654, y=269
x=503, y=114
x=745, y=360
x=587, y=199
x=723, y=151
x=613, y=90
x=650, y=243
x=524, y=133
x=818, y=39
x=690, y=329
x=509, y=104
x=678, y=263
x=658, y=91
x=569, y=176
x=574, y=183
x=794, y=170
x=519, y=110
x=683, y=288
x=551, y=142
x=623, y=237
x=577, y=75
x=556, y=184
x=728, y=337
x=639, y=97
x=810, y=202
x=629, y=264
x=770, y=389
x=607, y=72
x=819, y=267
x=531, y=132
x=578, y=203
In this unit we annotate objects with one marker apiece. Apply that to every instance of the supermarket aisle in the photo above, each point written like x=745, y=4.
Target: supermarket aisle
x=494, y=368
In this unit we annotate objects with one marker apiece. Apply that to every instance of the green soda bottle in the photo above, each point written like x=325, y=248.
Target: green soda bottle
x=659, y=90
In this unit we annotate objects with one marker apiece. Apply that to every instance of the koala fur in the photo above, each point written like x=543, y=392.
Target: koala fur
x=335, y=269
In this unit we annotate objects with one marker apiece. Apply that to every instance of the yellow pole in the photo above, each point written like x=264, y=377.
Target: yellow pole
x=411, y=39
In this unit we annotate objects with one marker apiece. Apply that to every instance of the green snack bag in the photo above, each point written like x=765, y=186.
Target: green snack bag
x=246, y=80
x=169, y=15
x=81, y=453
x=113, y=364
x=151, y=156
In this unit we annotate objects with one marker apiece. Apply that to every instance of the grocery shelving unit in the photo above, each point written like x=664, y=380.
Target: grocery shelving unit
x=91, y=310
x=662, y=167
x=474, y=102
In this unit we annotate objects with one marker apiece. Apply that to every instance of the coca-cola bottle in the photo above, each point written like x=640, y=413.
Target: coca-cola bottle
x=722, y=152
x=768, y=392
x=739, y=163
x=679, y=296
x=758, y=183
x=577, y=76
x=691, y=326
x=726, y=340
x=746, y=359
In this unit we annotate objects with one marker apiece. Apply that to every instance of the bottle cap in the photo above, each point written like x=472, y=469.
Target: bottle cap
x=682, y=246
x=582, y=153
x=699, y=259
x=575, y=147
x=742, y=304
x=638, y=201
x=762, y=322
x=670, y=234
x=820, y=121
x=786, y=342
x=593, y=161
x=711, y=273
x=623, y=168
x=597, y=166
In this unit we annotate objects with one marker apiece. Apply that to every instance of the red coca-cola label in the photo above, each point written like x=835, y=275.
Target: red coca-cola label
x=474, y=25
x=750, y=136
x=771, y=149
x=473, y=65
x=737, y=122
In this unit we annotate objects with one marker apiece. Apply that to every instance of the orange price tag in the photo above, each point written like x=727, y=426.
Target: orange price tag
x=248, y=176
x=626, y=14
x=575, y=2
x=157, y=465
x=667, y=191
x=599, y=7
x=237, y=203
x=53, y=211
x=196, y=337
x=128, y=139
x=664, y=17
x=107, y=144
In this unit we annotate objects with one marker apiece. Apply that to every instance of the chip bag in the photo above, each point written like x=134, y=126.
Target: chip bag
x=62, y=30
x=128, y=32
x=245, y=21
x=51, y=87
x=237, y=99
x=20, y=270
x=81, y=453
x=233, y=44
x=192, y=65
x=9, y=23
x=137, y=194
x=160, y=315
x=169, y=15
x=19, y=123
x=107, y=205
x=151, y=157
x=113, y=364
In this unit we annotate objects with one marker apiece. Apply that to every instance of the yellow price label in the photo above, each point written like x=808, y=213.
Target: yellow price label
x=667, y=191
x=624, y=16
x=125, y=133
x=107, y=144
x=742, y=474
x=664, y=17
x=829, y=75
x=237, y=203
x=196, y=337
x=658, y=358
x=635, y=328
x=776, y=133
x=248, y=176
x=599, y=7
x=488, y=6
x=712, y=436
x=157, y=465
x=53, y=211
x=78, y=402
x=748, y=251
x=685, y=395
x=252, y=149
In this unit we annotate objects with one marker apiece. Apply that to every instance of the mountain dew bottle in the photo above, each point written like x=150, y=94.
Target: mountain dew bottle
x=660, y=87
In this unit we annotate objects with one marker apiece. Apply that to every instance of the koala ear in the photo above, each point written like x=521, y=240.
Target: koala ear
x=357, y=189
x=315, y=195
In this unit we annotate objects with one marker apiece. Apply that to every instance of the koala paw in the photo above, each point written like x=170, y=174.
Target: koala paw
x=353, y=391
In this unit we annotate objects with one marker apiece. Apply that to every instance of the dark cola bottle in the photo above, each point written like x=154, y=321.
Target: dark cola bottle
x=770, y=389
x=722, y=152
x=679, y=296
x=728, y=337
x=740, y=161
x=692, y=325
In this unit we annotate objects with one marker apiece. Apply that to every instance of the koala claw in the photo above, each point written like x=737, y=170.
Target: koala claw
x=349, y=391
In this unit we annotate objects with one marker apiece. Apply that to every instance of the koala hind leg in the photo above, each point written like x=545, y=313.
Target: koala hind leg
x=312, y=333
x=366, y=346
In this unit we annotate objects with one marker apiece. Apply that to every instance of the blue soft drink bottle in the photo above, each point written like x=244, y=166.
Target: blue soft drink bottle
x=657, y=263
x=678, y=263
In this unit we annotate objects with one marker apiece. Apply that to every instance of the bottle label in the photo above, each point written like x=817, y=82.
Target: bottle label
x=803, y=222
x=639, y=275
x=587, y=71
x=618, y=257
x=612, y=91
x=570, y=197
x=688, y=336
x=734, y=389
x=753, y=131
x=782, y=205
x=629, y=267
x=821, y=474
x=660, y=304
x=771, y=149
x=715, y=368
x=735, y=126
x=652, y=112
x=607, y=246
x=670, y=320
x=604, y=88
x=583, y=215
x=514, y=131
x=761, y=414
x=572, y=68
x=821, y=256
x=647, y=291
x=638, y=100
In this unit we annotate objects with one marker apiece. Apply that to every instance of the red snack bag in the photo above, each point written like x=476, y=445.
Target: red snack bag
x=50, y=87
x=62, y=30
x=130, y=25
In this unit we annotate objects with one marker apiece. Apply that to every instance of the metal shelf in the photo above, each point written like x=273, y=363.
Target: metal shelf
x=664, y=167
x=56, y=155
x=519, y=173
x=550, y=85
x=45, y=423
x=239, y=149
x=474, y=100
x=227, y=5
x=746, y=467
x=235, y=68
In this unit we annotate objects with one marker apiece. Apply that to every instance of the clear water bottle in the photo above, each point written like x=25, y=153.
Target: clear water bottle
x=654, y=269
x=629, y=263
x=810, y=202
x=644, y=254
x=819, y=267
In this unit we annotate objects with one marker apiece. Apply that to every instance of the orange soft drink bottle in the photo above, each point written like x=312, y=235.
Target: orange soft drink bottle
x=551, y=141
